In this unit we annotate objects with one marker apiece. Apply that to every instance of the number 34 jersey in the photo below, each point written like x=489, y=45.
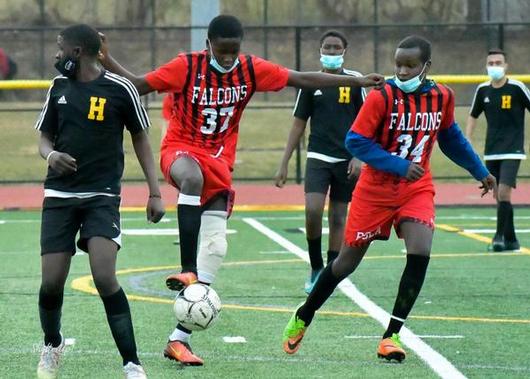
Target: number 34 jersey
x=406, y=124
x=207, y=105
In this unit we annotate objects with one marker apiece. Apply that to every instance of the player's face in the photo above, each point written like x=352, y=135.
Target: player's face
x=225, y=50
x=496, y=60
x=332, y=46
x=408, y=63
x=64, y=49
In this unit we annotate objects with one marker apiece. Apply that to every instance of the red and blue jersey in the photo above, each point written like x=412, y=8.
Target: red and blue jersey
x=394, y=129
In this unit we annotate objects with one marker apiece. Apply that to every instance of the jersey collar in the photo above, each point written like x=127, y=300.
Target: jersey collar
x=425, y=87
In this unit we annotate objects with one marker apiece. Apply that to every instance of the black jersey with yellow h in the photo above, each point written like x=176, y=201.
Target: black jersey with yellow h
x=86, y=120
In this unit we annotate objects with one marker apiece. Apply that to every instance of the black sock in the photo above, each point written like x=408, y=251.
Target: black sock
x=323, y=289
x=409, y=289
x=509, y=227
x=50, y=306
x=332, y=254
x=189, y=217
x=503, y=209
x=120, y=322
x=314, y=247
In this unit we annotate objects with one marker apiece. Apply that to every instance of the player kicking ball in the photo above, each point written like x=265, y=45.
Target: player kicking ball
x=394, y=135
x=211, y=89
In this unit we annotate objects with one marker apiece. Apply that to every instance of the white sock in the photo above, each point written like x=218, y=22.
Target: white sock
x=179, y=335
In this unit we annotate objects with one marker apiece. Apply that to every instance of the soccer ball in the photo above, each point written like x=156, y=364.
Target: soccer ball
x=197, y=307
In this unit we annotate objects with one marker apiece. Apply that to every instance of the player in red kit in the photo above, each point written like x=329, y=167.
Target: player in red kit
x=211, y=88
x=394, y=135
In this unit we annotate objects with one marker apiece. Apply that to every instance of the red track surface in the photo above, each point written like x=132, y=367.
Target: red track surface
x=134, y=195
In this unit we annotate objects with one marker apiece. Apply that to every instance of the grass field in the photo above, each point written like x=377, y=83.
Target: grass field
x=473, y=310
x=262, y=129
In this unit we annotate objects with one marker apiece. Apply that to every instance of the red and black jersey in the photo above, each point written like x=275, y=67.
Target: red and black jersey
x=406, y=124
x=207, y=104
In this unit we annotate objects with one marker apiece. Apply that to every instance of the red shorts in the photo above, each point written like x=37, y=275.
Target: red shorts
x=382, y=200
x=216, y=172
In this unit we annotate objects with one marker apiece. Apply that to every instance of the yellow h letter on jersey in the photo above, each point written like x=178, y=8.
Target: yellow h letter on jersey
x=506, y=102
x=97, y=104
x=344, y=94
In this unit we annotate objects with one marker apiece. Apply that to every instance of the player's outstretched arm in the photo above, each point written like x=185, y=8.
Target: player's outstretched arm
x=321, y=80
x=295, y=135
x=155, y=208
x=111, y=64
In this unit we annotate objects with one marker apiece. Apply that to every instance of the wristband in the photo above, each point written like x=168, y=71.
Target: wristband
x=49, y=155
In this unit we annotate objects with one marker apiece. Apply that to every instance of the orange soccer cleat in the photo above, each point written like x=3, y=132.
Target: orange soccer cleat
x=177, y=282
x=181, y=352
x=390, y=348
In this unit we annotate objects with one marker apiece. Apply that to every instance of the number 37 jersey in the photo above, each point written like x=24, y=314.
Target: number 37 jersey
x=207, y=105
x=406, y=124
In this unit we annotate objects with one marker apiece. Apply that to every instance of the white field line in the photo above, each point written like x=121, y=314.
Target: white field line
x=423, y=336
x=438, y=363
x=158, y=232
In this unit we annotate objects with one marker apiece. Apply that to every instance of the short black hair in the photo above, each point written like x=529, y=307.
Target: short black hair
x=225, y=26
x=421, y=43
x=334, y=33
x=83, y=35
x=497, y=51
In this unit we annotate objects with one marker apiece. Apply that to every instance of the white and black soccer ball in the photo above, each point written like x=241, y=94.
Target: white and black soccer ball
x=197, y=307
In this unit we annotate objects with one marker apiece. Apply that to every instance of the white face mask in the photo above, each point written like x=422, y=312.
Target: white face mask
x=216, y=65
x=495, y=72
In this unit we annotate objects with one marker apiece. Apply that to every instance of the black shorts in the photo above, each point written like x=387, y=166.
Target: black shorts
x=320, y=175
x=504, y=170
x=97, y=216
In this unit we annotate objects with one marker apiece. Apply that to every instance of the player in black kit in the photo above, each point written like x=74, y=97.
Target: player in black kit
x=503, y=101
x=81, y=128
x=329, y=165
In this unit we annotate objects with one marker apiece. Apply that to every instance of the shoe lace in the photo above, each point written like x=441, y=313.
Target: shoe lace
x=395, y=338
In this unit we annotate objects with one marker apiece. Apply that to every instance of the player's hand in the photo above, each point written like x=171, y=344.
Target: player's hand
x=489, y=183
x=63, y=163
x=281, y=176
x=155, y=209
x=104, y=48
x=354, y=168
x=414, y=172
x=372, y=80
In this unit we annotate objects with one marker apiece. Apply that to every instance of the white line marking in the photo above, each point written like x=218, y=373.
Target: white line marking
x=423, y=336
x=159, y=232
x=489, y=231
x=466, y=217
x=234, y=339
x=435, y=360
x=274, y=252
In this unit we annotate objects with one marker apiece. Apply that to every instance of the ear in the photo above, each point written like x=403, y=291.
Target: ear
x=76, y=52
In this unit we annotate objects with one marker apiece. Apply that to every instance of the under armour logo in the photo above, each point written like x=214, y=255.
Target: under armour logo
x=396, y=101
x=200, y=76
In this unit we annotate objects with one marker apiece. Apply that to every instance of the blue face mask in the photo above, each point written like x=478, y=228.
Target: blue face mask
x=331, y=62
x=495, y=72
x=412, y=84
x=216, y=65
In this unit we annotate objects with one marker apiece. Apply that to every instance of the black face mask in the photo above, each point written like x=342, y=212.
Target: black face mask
x=67, y=66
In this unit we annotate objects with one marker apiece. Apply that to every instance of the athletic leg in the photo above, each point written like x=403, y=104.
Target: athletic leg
x=314, y=208
x=212, y=250
x=336, y=220
x=418, y=241
x=102, y=256
x=187, y=175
